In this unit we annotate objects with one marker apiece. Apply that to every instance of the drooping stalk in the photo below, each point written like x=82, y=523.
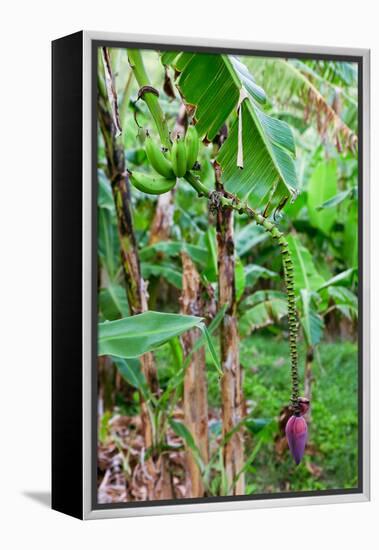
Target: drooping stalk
x=227, y=200
x=195, y=401
x=291, y=300
x=149, y=96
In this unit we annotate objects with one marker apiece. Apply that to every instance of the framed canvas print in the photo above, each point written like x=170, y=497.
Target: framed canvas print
x=210, y=275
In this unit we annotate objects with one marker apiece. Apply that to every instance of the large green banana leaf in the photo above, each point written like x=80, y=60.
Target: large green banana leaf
x=311, y=322
x=305, y=273
x=136, y=335
x=322, y=186
x=263, y=308
x=217, y=86
x=307, y=282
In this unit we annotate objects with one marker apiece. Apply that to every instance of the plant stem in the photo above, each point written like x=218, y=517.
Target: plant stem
x=231, y=381
x=136, y=63
x=195, y=182
x=195, y=402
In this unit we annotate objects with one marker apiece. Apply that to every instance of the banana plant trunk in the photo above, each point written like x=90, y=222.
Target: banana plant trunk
x=195, y=402
x=135, y=287
x=160, y=231
x=163, y=217
x=231, y=381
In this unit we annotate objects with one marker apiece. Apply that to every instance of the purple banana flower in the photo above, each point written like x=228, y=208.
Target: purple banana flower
x=297, y=435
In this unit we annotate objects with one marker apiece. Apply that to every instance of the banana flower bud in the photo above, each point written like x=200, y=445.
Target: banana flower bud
x=297, y=435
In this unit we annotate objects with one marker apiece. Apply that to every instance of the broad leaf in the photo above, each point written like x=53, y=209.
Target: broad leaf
x=254, y=272
x=267, y=307
x=214, y=85
x=130, y=370
x=249, y=237
x=344, y=276
x=322, y=186
x=171, y=273
x=305, y=273
x=113, y=303
x=104, y=197
x=136, y=335
x=345, y=300
x=240, y=278
x=108, y=243
x=173, y=249
x=350, y=241
x=311, y=321
x=211, y=268
x=268, y=177
x=337, y=199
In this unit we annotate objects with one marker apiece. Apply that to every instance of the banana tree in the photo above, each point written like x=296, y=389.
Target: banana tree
x=215, y=88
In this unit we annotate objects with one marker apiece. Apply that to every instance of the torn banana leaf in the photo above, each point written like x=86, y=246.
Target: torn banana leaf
x=217, y=86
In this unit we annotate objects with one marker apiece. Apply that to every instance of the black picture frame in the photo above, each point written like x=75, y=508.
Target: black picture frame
x=74, y=59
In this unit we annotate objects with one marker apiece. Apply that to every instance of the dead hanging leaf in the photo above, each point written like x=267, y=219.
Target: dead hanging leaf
x=111, y=90
x=328, y=119
x=181, y=123
x=168, y=86
x=221, y=136
x=147, y=90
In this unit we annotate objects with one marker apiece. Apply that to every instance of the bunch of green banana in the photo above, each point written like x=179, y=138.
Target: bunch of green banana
x=154, y=185
x=157, y=159
x=183, y=157
x=184, y=152
x=192, y=146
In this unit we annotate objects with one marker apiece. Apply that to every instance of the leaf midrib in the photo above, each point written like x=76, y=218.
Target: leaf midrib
x=257, y=122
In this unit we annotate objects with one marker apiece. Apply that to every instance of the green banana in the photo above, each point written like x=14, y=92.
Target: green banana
x=157, y=159
x=179, y=158
x=154, y=185
x=192, y=146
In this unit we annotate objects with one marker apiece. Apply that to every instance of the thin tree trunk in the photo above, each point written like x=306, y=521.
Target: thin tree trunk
x=231, y=382
x=195, y=383
x=106, y=391
x=135, y=285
